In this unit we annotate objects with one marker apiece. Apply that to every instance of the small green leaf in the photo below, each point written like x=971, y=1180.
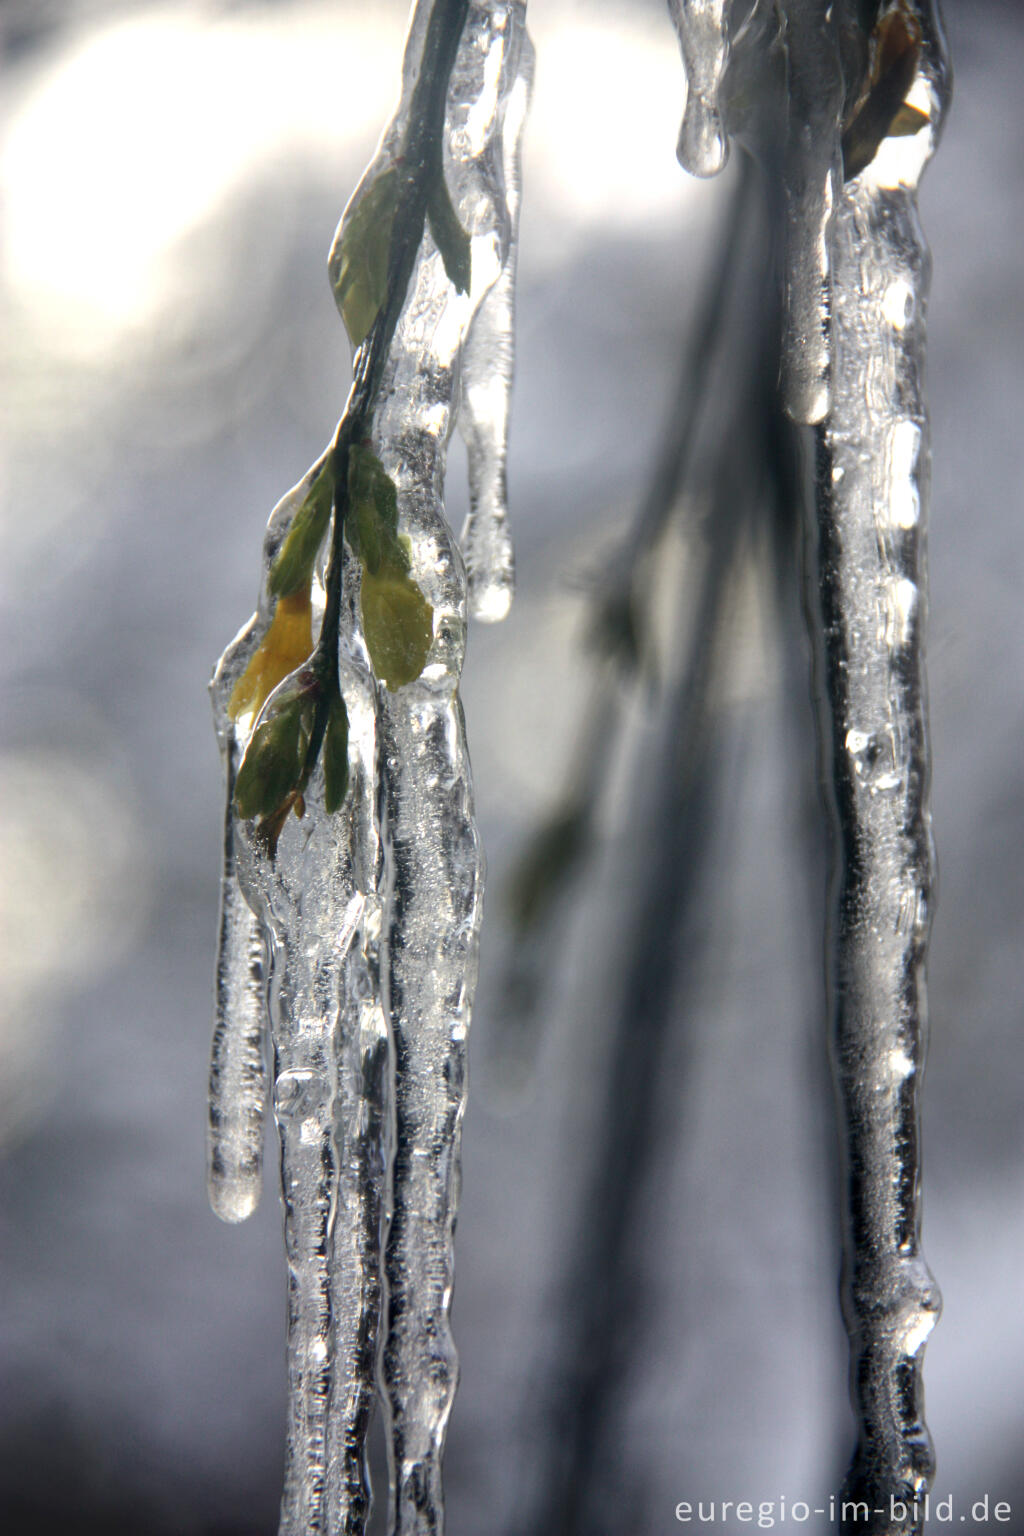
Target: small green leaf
x=293, y=565
x=398, y=625
x=358, y=262
x=336, y=756
x=372, y=521
x=449, y=236
x=272, y=765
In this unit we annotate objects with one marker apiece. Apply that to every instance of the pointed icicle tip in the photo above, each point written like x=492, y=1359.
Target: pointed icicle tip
x=703, y=147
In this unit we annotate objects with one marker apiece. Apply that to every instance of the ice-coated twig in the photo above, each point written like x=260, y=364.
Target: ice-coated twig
x=865, y=86
x=578, y=1395
x=317, y=900
x=338, y=702
x=872, y=493
x=435, y=860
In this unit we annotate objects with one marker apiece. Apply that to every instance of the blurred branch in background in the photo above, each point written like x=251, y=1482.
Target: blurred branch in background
x=621, y=654
x=727, y=466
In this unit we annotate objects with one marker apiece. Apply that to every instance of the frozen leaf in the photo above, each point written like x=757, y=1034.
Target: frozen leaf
x=551, y=857
x=292, y=570
x=358, y=263
x=286, y=645
x=397, y=619
x=398, y=624
x=272, y=766
x=897, y=49
x=372, y=523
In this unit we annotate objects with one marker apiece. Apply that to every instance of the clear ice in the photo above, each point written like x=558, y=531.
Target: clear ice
x=703, y=29
x=873, y=467
x=351, y=953
x=852, y=100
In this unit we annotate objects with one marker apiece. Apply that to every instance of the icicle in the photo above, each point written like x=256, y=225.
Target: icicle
x=318, y=901
x=238, y=1088
x=372, y=906
x=865, y=89
x=872, y=493
x=436, y=863
x=703, y=31
x=488, y=362
x=238, y=1080
x=813, y=175
x=809, y=35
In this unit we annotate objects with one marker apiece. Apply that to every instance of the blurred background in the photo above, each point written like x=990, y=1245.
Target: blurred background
x=648, y=1248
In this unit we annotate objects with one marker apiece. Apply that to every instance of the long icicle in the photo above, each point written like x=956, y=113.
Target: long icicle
x=238, y=1077
x=435, y=860
x=488, y=364
x=848, y=99
x=871, y=498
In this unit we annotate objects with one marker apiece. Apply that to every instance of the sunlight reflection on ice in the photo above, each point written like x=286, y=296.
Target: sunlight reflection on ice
x=138, y=132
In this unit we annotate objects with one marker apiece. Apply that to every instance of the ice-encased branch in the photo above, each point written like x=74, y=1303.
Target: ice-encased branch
x=872, y=485
x=435, y=861
x=843, y=103
x=371, y=913
x=318, y=904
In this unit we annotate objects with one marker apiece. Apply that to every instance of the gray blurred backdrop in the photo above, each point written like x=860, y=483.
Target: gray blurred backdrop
x=171, y=176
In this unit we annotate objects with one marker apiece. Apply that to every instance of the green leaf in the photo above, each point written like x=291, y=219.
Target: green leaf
x=372, y=519
x=449, y=236
x=336, y=756
x=293, y=565
x=272, y=766
x=358, y=263
x=398, y=625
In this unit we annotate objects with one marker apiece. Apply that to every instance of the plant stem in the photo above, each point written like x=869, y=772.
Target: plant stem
x=420, y=162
